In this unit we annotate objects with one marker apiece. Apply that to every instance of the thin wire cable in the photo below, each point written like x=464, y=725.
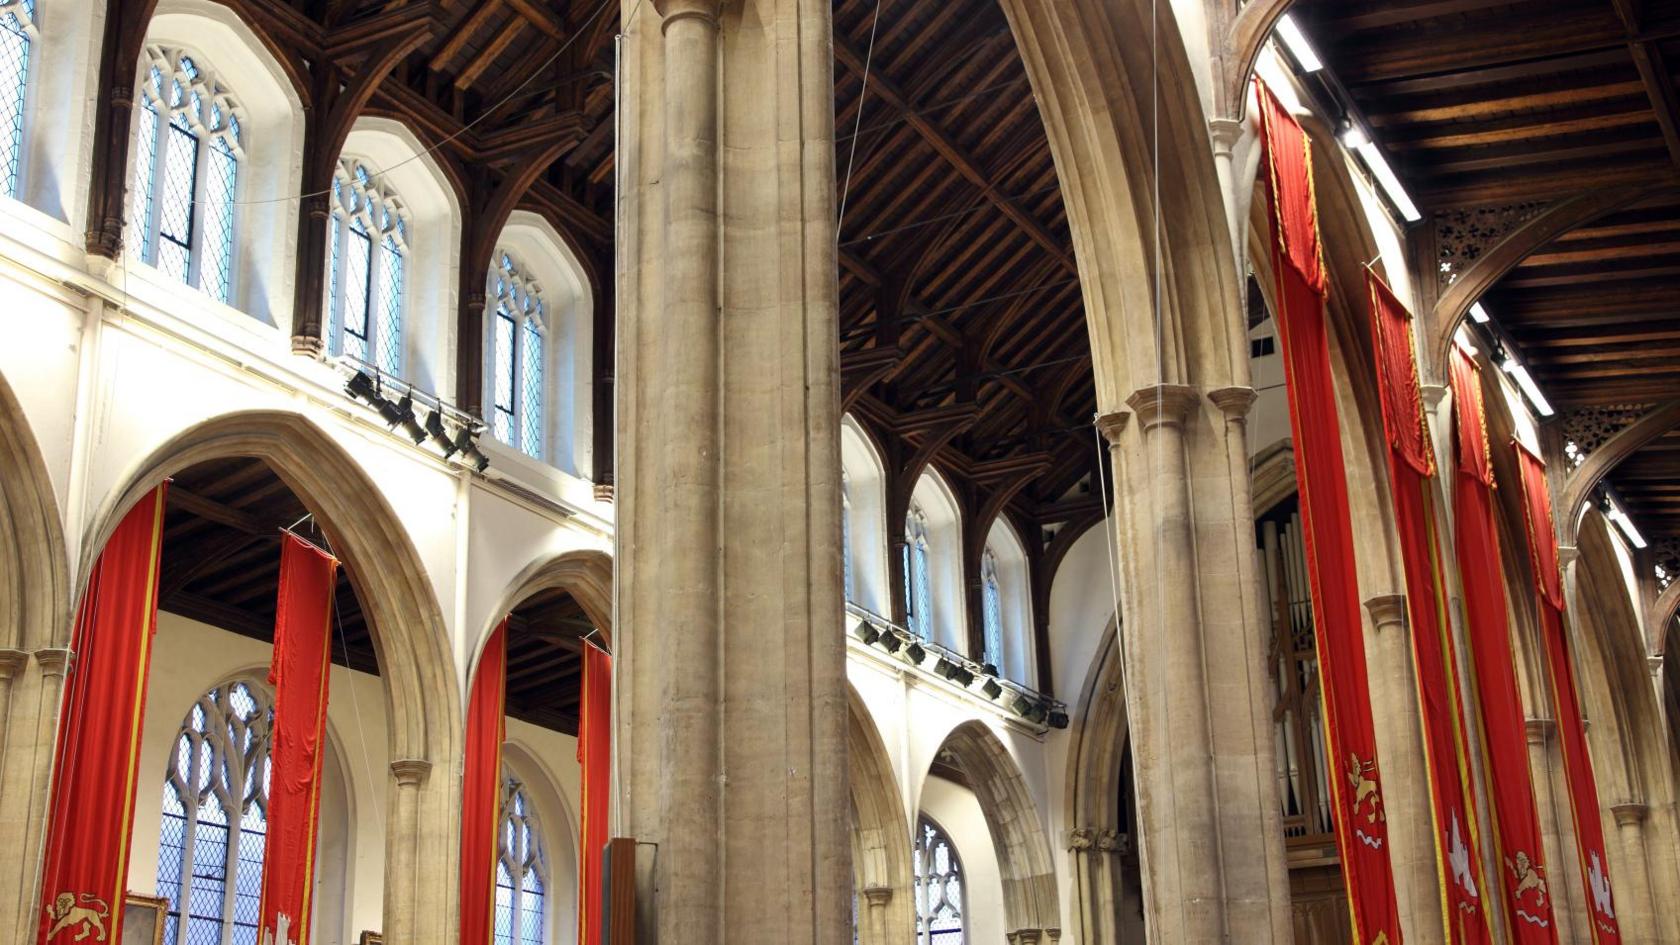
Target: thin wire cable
x=936, y=106
x=863, y=98
x=355, y=705
x=582, y=28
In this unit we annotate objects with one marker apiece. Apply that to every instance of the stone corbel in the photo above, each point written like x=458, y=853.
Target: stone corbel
x=11, y=662
x=1163, y=404
x=1433, y=396
x=55, y=661
x=1111, y=425
x=1235, y=402
x=411, y=772
x=877, y=896
x=1630, y=814
x=1388, y=610
x=1081, y=840
x=1539, y=730
x=1113, y=841
x=673, y=10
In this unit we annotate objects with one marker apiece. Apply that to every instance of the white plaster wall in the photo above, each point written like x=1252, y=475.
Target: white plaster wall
x=945, y=565
x=866, y=489
x=955, y=809
x=58, y=126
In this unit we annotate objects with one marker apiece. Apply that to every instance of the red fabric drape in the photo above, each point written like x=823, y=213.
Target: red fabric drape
x=481, y=789
x=1516, y=821
x=595, y=755
x=1411, y=469
x=1566, y=699
x=86, y=870
x=299, y=674
x=1350, y=738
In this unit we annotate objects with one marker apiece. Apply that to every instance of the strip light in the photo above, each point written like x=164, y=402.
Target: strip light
x=1480, y=314
x=1525, y=381
x=1390, y=184
x=1296, y=42
x=1620, y=517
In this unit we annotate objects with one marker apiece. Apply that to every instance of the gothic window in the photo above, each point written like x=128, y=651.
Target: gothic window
x=918, y=594
x=215, y=818
x=520, y=871
x=187, y=153
x=17, y=35
x=846, y=532
x=515, y=353
x=939, y=886
x=992, y=609
x=367, y=252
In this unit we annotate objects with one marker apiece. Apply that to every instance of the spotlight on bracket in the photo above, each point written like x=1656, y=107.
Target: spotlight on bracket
x=992, y=689
x=963, y=677
x=946, y=668
x=440, y=436
x=890, y=642
x=361, y=386
x=465, y=445
x=408, y=421
x=866, y=632
x=915, y=653
x=1058, y=718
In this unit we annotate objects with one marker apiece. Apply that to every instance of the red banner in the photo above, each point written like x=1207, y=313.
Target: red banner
x=1516, y=820
x=86, y=870
x=481, y=790
x=1566, y=699
x=595, y=755
x=1411, y=470
x=299, y=674
x=1350, y=738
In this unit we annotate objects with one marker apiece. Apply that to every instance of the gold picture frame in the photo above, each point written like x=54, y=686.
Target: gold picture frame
x=143, y=918
x=371, y=938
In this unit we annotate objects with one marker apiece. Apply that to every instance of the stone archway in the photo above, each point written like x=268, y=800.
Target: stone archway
x=882, y=878
x=34, y=631
x=412, y=643
x=1031, y=907
x=586, y=574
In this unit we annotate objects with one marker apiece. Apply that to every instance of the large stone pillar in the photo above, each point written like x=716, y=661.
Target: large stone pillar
x=730, y=748
x=1557, y=835
x=27, y=744
x=1210, y=838
x=1634, y=905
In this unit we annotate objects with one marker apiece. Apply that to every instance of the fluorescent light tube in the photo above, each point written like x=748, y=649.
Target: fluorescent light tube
x=1390, y=184
x=1296, y=42
x=1480, y=314
x=1626, y=525
x=1531, y=390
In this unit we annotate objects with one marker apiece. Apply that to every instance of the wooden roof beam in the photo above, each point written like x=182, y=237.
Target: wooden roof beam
x=462, y=33
x=1653, y=72
x=964, y=164
x=476, y=66
x=540, y=17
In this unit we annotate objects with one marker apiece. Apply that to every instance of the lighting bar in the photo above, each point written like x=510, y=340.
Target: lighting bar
x=1390, y=184
x=1525, y=381
x=1480, y=314
x=1620, y=517
x=1302, y=51
x=1353, y=136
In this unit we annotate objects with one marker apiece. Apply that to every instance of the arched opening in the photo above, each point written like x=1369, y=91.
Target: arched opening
x=935, y=604
x=884, y=912
x=863, y=520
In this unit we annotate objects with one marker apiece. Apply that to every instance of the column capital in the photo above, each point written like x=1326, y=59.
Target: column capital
x=411, y=772
x=55, y=661
x=1538, y=730
x=1568, y=555
x=1387, y=610
x=11, y=661
x=1433, y=395
x=674, y=10
x=1234, y=401
x=1631, y=814
x=1225, y=132
x=877, y=895
x=1163, y=404
x=1655, y=664
x=1111, y=425
x=1081, y=839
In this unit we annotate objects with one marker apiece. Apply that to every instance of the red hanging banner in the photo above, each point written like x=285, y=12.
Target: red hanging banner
x=1350, y=737
x=1411, y=469
x=299, y=675
x=595, y=755
x=1566, y=698
x=1516, y=820
x=86, y=870
x=481, y=790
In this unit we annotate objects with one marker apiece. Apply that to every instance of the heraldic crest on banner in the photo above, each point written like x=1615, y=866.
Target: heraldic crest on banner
x=87, y=918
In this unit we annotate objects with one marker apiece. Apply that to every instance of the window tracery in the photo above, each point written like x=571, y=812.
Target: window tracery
x=939, y=886
x=521, y=871
x=18, y=33
x=215, y=818
x=188, y=149
x=991, y=594
x=918, y=594
x=367, y=254
x=515, y=352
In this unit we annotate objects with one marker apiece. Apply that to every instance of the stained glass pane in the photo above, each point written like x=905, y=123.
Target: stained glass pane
x=992, y=620
x=357, y=250
x=145, y=175
x=335, y=234
x=519, y=881
x=939, y=893
x=14, y=79
x=503, y=377
x=390, y=307
x=217, y=267
x=531, y=397
x=924, y=596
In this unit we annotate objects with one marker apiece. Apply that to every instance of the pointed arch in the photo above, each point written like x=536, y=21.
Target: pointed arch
x=34, y=569
x=586, y=574
x=882, y=879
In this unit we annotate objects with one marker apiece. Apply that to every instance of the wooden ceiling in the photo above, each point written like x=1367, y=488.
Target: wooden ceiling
x=1524, y=105
x=961, y=323
x=221, y=566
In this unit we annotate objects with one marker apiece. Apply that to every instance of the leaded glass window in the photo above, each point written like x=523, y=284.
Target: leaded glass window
x=991, y=594
x=186, y=169
x=518, y=328
x=17, y=36
x=939, y=886
x=918, y=593
x=215, y=818
x=367, y=252
x=521, y=871
x=846, y=532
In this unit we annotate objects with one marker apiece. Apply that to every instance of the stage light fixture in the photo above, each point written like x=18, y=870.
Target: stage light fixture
x=409, y=422
x=866, y=632
x=990, y=669
x=361, y=386
x=1479, y=314
x=992, y=689
x=1037, y=712
x=890, y=642
x=440, y=436
x=963, y=677
x=945, y=668
x=915, y=653
x=470, y=453
x=1021, y=706
x=1058, y=718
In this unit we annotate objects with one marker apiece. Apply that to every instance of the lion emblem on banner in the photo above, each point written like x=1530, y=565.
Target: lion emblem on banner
x=1362, y=775
x=66, y=915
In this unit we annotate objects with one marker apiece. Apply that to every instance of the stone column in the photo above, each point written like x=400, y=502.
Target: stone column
x=1635, y=906
x=31, y=735
x=1399, y=726
x=16, y=741
x=873, y=923
x=1557, y=835
x=730, y=717
x=402, y=852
